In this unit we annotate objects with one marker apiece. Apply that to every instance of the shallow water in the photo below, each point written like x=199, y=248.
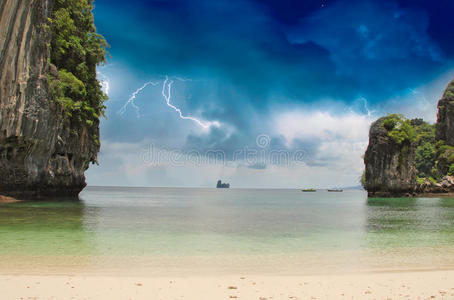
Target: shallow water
x=160, y=230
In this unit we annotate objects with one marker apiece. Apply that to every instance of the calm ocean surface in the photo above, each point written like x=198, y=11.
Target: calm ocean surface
x=187, y=230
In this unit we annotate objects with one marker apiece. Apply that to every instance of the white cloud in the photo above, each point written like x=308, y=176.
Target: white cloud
x=340, y=140
x=321, y=125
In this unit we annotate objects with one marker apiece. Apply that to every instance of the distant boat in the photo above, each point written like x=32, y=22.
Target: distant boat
x=335, y=190
x=221, y=185
x=308, y=190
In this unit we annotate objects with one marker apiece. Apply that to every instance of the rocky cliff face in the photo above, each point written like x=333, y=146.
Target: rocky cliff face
x=445, y=116
x=41, y=153
x=390, y=168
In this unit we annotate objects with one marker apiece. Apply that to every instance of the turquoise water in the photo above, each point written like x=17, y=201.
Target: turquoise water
x=226, y=229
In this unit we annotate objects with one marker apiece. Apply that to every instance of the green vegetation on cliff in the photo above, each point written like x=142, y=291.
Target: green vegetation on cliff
x=417, y=134
x=425, y=151
x=445, y=158
x=399, y=129
x=76, y=49
x=449, y=92
x=433, y=159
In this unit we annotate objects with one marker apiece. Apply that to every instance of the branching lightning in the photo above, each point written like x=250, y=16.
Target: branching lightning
x=133, y=97
x=166, y=93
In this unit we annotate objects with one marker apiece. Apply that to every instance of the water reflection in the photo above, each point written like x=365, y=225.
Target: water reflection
x=161, y=221
x=137, y=227
x=409, y=232
x=425, y=215
x=44, y=233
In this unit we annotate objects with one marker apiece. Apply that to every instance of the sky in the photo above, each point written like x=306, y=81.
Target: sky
x=262, y=93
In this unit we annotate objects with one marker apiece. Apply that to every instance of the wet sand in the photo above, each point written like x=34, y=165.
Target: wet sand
x=395, y=285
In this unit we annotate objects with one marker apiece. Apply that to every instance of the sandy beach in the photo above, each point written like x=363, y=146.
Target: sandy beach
x=396, y=285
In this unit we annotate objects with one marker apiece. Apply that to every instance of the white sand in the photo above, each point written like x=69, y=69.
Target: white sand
x=396, y=285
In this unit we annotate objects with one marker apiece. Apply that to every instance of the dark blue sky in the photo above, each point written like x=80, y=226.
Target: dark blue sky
x=310, y=75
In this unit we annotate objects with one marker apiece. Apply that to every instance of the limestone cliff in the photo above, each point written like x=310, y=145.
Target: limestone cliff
x=411, y=156
x=445, y=116
x=390, y=168
x=42, y=152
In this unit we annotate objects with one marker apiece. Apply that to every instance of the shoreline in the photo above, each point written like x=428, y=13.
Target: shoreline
x=414, y=195
x=407, y=285
x=436, y=195
x=303, y=263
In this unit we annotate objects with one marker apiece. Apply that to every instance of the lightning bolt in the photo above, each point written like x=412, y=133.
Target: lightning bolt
x=166, y=93
x=368, y=113
x=366, y=107
x=133, y=97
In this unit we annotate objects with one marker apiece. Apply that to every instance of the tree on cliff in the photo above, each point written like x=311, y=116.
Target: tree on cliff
x=76, y=49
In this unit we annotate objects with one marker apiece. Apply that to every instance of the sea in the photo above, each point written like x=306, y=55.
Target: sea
x=208, y=231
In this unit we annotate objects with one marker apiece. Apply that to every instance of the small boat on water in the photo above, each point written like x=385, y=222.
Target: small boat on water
x=335, y=190
x=309, y=190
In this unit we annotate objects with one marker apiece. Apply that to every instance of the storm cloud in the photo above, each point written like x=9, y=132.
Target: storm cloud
x=311, y=76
